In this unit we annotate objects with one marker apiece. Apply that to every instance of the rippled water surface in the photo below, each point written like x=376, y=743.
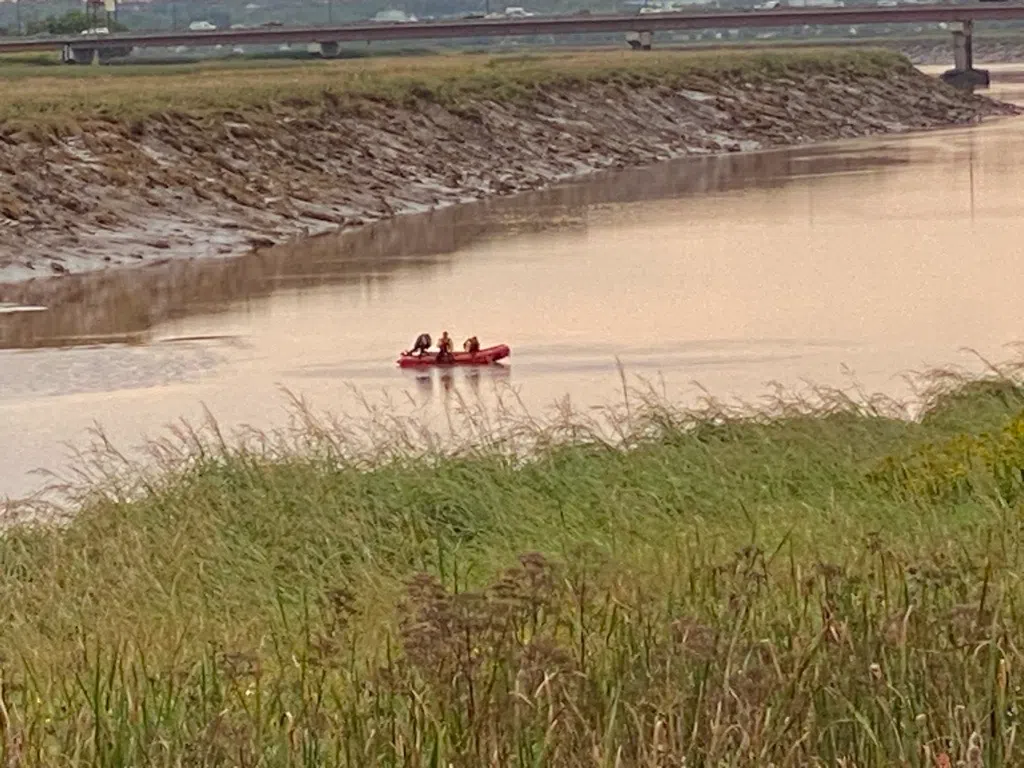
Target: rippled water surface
x=854, y=261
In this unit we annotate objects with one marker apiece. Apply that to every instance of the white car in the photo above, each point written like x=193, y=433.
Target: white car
x=201, y=26
x=96, y=31
x=394, y=17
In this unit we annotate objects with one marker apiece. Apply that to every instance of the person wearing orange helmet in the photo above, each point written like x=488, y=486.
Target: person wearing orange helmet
x=444, y=348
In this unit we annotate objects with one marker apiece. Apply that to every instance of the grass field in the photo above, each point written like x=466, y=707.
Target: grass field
x=38, y=96
x=801, y=585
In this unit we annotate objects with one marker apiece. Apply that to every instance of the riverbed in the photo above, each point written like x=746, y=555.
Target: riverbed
x=848, y=265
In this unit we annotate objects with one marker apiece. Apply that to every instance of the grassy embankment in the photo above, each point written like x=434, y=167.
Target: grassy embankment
x=802, y=587
x=40, y=99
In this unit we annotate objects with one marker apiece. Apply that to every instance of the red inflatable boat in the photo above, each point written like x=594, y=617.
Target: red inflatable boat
x=485, y=356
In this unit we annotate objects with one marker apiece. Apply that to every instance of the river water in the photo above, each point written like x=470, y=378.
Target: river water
x=847, y=264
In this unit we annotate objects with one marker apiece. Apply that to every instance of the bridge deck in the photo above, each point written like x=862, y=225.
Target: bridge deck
x=552, y=25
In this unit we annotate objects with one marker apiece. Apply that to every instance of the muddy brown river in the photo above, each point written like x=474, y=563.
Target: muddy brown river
x=845, y=265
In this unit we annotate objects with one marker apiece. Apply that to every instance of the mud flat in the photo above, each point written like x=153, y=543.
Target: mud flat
x=107, y=168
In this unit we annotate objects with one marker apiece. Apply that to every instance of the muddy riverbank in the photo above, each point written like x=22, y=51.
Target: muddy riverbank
x=175, y=185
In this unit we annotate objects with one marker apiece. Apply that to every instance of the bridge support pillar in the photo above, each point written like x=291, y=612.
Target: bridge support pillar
x=328, y=50
x=964, y=75
x=76, y=54
x=640, y=41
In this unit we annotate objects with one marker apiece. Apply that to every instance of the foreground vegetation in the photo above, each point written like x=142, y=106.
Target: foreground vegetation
x=31, y=97
x=811, y=584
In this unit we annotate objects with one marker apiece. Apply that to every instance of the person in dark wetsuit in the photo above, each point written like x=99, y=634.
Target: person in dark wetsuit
x=444, y=348
x=422, y=345
x=471, y=345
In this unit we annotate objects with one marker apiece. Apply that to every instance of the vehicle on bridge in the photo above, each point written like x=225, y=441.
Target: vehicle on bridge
x=391, y=16
x=810, y=16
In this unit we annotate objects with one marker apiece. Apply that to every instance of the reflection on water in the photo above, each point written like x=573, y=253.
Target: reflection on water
x=125, y=305
x=456, y=386
x=875, y=255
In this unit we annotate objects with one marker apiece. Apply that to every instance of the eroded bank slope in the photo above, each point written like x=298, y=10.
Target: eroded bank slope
x=241, y=159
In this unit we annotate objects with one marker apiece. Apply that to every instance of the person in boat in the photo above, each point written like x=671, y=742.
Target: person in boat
x=422, y=345
x=471, y=345
x=444, y=348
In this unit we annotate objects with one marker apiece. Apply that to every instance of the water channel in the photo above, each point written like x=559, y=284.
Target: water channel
x=855, y=262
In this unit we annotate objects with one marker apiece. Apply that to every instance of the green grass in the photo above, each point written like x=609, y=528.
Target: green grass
x=66, y=97
x=794, y=586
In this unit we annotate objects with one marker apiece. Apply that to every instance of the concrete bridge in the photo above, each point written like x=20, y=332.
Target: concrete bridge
x=639, y=30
